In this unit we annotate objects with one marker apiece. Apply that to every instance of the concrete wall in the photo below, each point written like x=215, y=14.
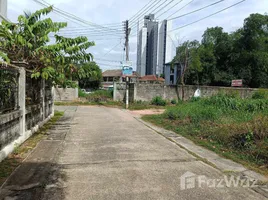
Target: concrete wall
x=17, y=126
x=119, y=91
x=66, y=94
x=147, y=91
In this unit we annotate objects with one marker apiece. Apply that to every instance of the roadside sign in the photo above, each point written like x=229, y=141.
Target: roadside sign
x=127, y=71
x=237, y=83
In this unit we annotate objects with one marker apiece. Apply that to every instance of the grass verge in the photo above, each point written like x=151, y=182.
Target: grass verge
x=8, y=165
x=233, y=128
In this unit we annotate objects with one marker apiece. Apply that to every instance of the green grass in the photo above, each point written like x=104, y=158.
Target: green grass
x=234, y=128
x=143, y=105
x=8, y=165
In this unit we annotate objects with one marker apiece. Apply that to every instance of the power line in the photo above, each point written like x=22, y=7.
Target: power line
x=73, y=17
x=111, y=49
x=201, y=18
x=142, y=9
x=181, y=8
x=133, y=21
x=94, y=38
x=208, y=16
x=106, y=60
x=169, y=9
x=90, y=34
x=161, y=6
x=194, y=11
x=89, y=31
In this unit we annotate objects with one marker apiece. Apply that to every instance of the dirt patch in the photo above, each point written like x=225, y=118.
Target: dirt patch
x=140, y=113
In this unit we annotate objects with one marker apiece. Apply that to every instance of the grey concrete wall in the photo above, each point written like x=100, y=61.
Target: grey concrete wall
x=147, y=91
x=17, y=126
x=119, y=91
x=66, y=94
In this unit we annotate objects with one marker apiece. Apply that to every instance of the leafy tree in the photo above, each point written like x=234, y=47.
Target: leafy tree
x=95, y=78
x=188, y=57
x=254, y=48
x=222, y=57
x=28, y=42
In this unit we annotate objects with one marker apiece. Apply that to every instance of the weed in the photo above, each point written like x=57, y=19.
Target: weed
x=173, y=101
x=158, y=101
x=233, y=127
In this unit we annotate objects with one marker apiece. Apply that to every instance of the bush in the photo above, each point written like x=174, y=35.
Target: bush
x=158, y=101
x=81, y=93
x=194, y=99
x=194, y=112
x=260, y=94
x=173, y=101
x=100, y=96
x=229, y=103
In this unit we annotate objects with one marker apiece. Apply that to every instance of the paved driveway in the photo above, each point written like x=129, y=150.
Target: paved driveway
x=110, y=155
x=105, y=153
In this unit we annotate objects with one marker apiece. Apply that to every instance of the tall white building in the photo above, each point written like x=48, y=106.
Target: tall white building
x=164, y=46
x=154, y=46
x=3, y=10
x=142, y=51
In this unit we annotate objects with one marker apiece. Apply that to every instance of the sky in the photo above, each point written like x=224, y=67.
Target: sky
x=108, y=49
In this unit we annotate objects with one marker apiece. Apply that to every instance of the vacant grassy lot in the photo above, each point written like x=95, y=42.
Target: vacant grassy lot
x=232, y=127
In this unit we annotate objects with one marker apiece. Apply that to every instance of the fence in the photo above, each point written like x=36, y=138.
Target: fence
x=147, y=91
x=8, y=89
x=25, y=105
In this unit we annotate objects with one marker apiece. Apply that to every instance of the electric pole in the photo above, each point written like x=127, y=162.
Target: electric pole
x=127, y=33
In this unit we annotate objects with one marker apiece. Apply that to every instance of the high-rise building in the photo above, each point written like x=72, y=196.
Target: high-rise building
x=3, y=10
x=153, y=48
x=164, y=46
x=142, y=51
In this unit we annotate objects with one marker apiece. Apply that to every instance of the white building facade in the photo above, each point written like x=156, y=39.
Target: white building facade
x=164, y=46
x=154, y=47
x=142, y=51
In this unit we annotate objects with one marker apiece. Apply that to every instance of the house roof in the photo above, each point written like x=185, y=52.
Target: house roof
x=152, y=78
x=112, y=73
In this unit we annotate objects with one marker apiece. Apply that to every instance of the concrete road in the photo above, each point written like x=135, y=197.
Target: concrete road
x=108, y=154
x=105, y=153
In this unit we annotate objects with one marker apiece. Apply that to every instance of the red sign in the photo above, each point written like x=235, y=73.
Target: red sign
x=237, y=83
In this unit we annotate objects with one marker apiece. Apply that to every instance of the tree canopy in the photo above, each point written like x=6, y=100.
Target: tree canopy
x=221, y=57
x=29, y=42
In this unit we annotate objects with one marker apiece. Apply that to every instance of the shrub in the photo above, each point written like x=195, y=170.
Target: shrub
x=158, y=101
x=260, y=94
x=228, y=103
x=173, y=101
x=195, y=112
x=81, y=93
x=100, y=96
x=194, y=99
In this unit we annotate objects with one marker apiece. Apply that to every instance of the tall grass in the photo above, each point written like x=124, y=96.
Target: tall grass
x=240, y=125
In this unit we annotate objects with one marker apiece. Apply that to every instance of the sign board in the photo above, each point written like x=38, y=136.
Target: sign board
x=127, y=71
x=237, y=83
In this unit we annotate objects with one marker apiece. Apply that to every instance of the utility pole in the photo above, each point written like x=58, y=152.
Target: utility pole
x=127, y=33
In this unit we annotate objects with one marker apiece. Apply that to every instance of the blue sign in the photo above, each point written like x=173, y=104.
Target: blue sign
x=127, y=71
